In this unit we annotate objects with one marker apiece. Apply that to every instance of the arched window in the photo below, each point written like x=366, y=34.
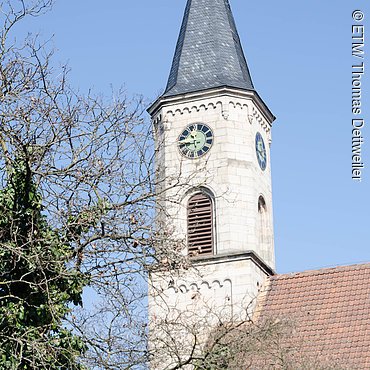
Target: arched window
x=200, y=225
x=261, y=204
x=263, y=220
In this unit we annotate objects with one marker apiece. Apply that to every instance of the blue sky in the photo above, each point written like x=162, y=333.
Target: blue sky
x=299, y=55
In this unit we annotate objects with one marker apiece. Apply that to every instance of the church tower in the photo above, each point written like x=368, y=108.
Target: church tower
x=213, y=137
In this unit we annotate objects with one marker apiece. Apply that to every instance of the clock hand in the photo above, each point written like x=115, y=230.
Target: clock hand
x=188, y=140
x=260, y=150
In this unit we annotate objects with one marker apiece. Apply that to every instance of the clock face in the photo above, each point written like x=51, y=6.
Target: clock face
x=261, y=151
x=195, y=141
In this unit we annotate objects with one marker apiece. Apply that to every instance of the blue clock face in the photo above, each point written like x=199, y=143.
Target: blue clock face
x=195, y=141
x=261, y=151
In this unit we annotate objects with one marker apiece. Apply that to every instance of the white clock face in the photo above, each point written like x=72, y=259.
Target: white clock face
x=261, y=151
x=195, y=141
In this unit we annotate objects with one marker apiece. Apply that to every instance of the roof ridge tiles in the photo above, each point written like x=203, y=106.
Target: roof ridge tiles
x=321, y=271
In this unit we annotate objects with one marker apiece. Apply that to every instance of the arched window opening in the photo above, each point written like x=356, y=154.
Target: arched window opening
x=200, y=225
x=263, y=220
x=261, y=205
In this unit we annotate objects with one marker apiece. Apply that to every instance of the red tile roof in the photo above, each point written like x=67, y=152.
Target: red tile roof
x=329, y=310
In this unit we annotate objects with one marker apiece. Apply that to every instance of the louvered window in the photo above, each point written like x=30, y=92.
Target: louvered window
x=200, y=225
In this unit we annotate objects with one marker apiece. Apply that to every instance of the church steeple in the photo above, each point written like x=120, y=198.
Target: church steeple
x=208, y=52
x=212, y=135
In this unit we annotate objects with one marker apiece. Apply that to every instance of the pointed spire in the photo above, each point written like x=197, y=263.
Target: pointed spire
x=208, y=52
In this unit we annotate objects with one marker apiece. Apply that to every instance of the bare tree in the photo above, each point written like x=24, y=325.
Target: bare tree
x=91, y=160
x=211, y=339
x=263, y=345
x=92, y=163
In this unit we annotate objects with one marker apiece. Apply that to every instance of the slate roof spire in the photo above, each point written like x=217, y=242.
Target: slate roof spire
x=208, y=52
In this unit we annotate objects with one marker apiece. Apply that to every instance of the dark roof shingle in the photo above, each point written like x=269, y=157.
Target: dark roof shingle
x=208, y=52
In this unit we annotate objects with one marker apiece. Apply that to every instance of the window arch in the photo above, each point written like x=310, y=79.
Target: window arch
x=263, y=220
x=200, y=225
x=261, y=204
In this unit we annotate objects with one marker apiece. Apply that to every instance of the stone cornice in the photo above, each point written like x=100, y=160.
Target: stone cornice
x=248, y=255
x=221, y=92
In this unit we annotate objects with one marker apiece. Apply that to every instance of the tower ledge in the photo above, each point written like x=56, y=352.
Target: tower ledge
x=212, y=93
x=221, y=258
